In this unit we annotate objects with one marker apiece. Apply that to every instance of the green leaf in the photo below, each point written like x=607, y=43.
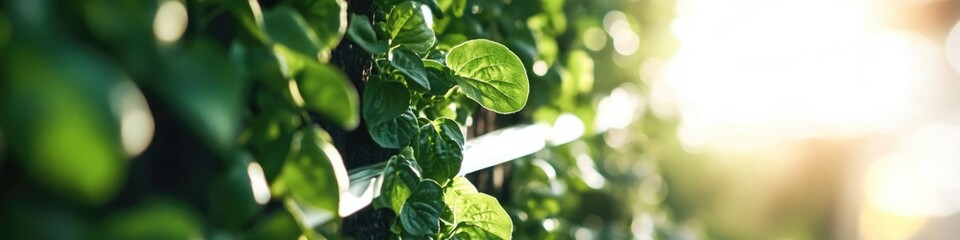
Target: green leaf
x=434, y=7
x=439, y=149
x=153, y=219
x=269, y=135
x=395, y=133
x=274, y=225
x=205, y=91
x=450, y=129
x=325, y=90
x=490, y=74
x=458, y=7
x=411, y=66
x=480, y=216
x=260, y=63
x=440, y=79
x=386, y=4
x=314, y=174
x=231, y=202
x=328, y=18
x=400, y=177
x=361, y=32
x=250, y=17
x=289, y=62
x=56, y=116
x=420, y=214
x=458, y=187
x=285, y=26
x=384, y=100
x=409, y=28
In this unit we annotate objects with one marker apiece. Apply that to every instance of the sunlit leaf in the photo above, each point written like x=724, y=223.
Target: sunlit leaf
x=314, y=174
x=490, y=74
x=458, y=7
x=251, y=17
x=458, y=187
x=325, y=90
x=328, y=18
x=434, y=7
x=286, y=26
x=455, y=6
x=408, y=28
x=480, y=216
x=56, y=116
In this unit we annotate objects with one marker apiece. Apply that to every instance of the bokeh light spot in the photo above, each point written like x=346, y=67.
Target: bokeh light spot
x=170, y=22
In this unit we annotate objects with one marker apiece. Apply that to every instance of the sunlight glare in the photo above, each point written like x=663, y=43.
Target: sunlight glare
x=953, y=47
x=258, y=183
x=922, y=175
x=170, y=22
x=136, y=121
x=427, y=15
x=770, y=72
x=540, y=68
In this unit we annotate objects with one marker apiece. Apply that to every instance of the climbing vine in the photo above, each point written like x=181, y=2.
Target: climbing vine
x=417, y=101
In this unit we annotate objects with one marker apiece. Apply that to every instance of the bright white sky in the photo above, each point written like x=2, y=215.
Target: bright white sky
x=751, y=74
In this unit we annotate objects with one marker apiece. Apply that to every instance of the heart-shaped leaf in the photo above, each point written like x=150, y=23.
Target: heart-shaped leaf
x=325, y=90
x=411, y=67
x=409, y=27
x=458, y=187
x=383, y=100
x=490, y=74
x=480, y=216
x=361, y=32
x=395, y=133
x=314, y=174
x=439, y=77
x=287, y=27
x=420, y=214
x=439, y=149
x=230, y=199
x=328, y=18
x=400, y=177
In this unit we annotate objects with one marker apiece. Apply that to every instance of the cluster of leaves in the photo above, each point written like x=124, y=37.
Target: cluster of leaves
x=417, y=100
x=250, y=83
x=427, y=209
x=586, y=188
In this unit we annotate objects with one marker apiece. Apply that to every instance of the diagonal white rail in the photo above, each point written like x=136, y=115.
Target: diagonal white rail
x=491, y=149
x=479, y=153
